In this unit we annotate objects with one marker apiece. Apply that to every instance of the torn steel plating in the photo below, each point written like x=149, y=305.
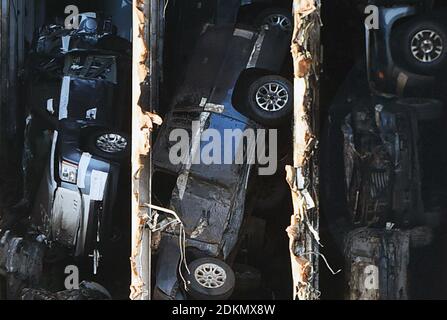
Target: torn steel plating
x=142, y=123
x=303, y=177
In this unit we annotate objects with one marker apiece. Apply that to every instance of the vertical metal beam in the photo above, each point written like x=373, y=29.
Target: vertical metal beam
x=140, y=265
x=303, y=176
x=147, y=18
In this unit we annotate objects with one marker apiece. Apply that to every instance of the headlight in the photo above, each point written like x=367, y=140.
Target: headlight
x=69, y=172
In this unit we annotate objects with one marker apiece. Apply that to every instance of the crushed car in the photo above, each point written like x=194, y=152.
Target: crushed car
x=407, y=53
x=77, y=141
x=74, y=204
x=383, y=132
x=239, y=87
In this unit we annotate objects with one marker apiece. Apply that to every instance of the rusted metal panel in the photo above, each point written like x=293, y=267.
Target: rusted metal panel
x=303, y=176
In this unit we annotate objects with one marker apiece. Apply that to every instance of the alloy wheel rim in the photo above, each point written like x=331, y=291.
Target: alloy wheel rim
x=278, y=20
x=111, y=143
x=272, y=97
x=427, y=46
x=210, y=275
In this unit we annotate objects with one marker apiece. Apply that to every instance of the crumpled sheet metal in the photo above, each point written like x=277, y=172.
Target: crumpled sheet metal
x=377, y=264
x=21, y=262
x=142, y=123
x=305, y=52
x=303, y=63
x=87, y=291
x=303, y=238
x=303, y=231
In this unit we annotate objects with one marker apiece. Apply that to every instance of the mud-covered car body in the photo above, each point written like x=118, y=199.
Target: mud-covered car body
x=210, y=198
x=382, y=172
x=374, y=157
x=83, y=96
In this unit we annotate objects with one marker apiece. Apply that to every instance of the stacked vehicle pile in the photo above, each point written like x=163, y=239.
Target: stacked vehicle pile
x=76, y=140
x=390, y=136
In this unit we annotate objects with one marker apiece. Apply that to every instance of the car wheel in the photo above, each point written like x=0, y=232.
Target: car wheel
x=426, y=109
x=270, y=100
x=109, y=144
x=276, y=17
x=210, y=279
x=422, y=46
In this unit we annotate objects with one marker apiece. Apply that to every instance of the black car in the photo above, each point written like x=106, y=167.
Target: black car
x=78, y=130
x=233, y=81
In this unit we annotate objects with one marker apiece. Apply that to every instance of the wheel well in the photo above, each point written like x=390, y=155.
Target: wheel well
x=87, y=131
x=90, y=129
x=248, y=13
x=394, y=34
x=394, y=45
x=402, y=21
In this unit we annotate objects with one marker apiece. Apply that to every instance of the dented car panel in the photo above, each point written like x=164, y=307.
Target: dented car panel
x=210, y=198
x=82, y=110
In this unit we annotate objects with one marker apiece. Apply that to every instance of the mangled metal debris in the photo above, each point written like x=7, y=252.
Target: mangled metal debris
x=21, y=263
x=142, y=124
x=87, y=291
x=377, y=264
x=382, y=165
x=303, y=176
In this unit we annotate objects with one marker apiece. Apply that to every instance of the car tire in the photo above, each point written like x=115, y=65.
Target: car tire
x=270, y=100
x=210, y=279
x=422, y=46
x=276, y=17
x=108, y=144
x=425, y=109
